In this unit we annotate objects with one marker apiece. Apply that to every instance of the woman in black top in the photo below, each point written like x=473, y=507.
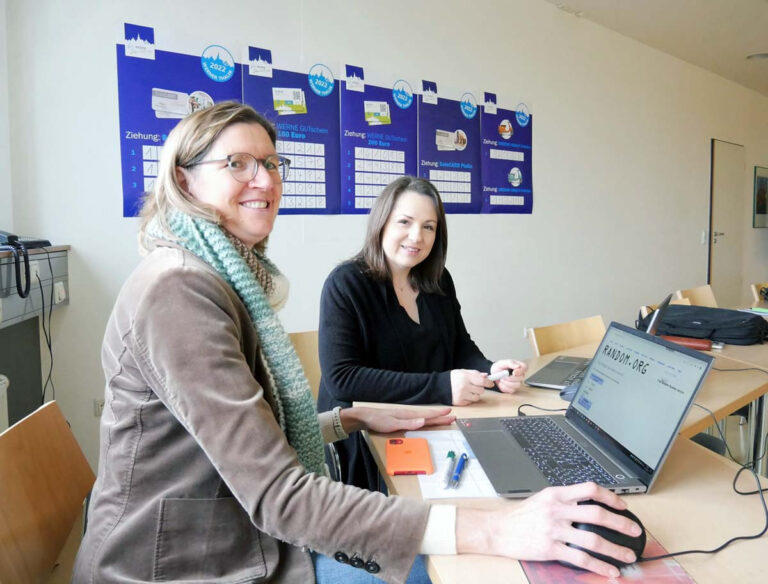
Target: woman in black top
x=390, y=324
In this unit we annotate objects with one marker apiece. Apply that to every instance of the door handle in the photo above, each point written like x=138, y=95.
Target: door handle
x=718, y=233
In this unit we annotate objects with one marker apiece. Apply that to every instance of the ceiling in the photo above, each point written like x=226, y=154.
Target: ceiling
x=716, y=35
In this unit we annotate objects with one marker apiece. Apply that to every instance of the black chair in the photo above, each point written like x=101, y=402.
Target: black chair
x=713, y=443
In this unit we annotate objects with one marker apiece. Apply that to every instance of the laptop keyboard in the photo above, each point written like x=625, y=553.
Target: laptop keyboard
x=560, y=459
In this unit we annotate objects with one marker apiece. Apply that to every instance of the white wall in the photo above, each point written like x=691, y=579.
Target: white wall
x=621, y=157
x=6, y=203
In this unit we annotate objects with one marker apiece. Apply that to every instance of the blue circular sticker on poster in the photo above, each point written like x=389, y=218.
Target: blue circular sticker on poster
x=468, y=106
x=402, y=94
x=321, y=80
x=522, y=115
x=218, y=63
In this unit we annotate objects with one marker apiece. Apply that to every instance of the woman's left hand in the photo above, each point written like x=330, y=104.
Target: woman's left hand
x=393, y=419
x=514, y=381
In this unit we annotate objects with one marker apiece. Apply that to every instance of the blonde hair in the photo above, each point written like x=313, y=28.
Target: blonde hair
x=188, y=143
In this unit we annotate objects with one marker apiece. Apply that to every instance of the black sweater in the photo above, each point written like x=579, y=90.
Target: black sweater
x=371, y=350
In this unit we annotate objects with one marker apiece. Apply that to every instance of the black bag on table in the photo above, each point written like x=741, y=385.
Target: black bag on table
x=733, y=327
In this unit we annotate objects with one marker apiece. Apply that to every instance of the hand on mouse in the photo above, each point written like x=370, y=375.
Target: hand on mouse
x=540, y=527
x=634, y=543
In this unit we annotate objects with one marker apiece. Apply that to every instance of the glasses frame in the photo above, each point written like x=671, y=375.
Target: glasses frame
x=259, y=163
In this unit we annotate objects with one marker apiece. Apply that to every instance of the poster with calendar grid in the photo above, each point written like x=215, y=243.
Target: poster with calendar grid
x=507, y=152
x=304, y=107
x=157, y=88
x=378, y=137
x=449, y=148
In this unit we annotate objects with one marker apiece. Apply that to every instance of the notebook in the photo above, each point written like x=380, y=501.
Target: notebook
x=617, y=431
x=566, y=370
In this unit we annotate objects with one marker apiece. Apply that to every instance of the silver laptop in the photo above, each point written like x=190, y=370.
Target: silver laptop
x=566, y=370
x=559, y=373
x=617, y=431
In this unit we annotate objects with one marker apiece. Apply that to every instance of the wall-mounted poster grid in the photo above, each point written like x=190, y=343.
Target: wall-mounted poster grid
x=506, y=158
x=378, y=137
x=304, y=107
x=346, y=141
x=155, y=90
x=449, y=147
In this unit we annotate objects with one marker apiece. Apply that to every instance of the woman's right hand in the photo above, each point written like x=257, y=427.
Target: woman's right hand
x=540, y=528
x=467, y=386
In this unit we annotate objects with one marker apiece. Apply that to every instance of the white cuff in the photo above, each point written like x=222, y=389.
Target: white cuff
x=440, y=534
x=326, y=427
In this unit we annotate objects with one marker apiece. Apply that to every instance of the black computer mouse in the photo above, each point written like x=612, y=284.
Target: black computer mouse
x=569, y=391
x=635, y=543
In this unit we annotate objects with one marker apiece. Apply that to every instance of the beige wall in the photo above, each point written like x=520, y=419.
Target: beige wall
x=6, y=204
x=621, y=157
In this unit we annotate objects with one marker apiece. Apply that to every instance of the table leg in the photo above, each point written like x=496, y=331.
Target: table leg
x=758, y=417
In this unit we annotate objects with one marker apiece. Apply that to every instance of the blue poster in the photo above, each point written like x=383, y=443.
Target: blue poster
x=304, y=107
x=155, y=90
x=507, y=152
x=449, y=148
x=378, y=138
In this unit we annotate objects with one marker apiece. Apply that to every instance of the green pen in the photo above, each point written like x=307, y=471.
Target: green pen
x=451, y=466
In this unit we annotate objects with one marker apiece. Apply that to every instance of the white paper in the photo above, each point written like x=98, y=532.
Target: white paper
x=289, y=100
x=474, y=484
x=170, y=101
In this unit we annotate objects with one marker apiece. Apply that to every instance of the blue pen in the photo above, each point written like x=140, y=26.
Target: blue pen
x=459, y=469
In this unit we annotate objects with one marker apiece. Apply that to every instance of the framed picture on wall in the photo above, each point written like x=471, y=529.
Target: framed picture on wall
x=760, y=208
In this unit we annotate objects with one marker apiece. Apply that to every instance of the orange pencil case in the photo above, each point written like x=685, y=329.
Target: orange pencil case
x=698, y=344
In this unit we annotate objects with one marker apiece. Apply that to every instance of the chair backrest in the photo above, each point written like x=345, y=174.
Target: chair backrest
x=305, y=344
x=699, y=296
x=558, y=337
x=756, y=291
x=648, y=309
x=44, y=478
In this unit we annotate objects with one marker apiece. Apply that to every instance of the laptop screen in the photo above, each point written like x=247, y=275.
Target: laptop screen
x=637, y=390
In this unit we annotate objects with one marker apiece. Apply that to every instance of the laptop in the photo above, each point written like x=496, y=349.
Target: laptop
x=566, y=370
x=559, y=373
x=617, y=431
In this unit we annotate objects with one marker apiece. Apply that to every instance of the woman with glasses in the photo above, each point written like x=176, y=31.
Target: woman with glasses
x=211, y=464
x=390, y=323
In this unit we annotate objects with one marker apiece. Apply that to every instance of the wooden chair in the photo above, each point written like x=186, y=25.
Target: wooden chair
x=306, y=344
x=756, y=291
x=646, y=310
x=44, y=478
x=558, y=337
x=699, y=296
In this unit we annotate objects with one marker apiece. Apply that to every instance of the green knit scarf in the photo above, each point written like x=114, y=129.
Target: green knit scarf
x=296, y=411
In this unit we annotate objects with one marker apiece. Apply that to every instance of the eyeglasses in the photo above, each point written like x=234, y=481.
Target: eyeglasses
x=244, y=166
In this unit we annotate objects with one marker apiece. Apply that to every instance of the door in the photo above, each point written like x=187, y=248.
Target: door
x=726, y=225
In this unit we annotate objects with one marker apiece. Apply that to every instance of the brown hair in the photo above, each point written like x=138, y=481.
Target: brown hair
x=188, y=143
x=426, y=275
